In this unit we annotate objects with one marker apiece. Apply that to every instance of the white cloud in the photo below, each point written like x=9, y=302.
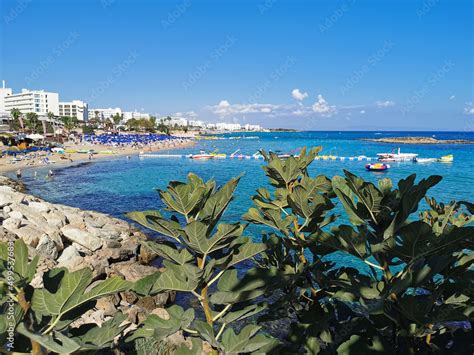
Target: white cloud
x=469, y=111
x=225, y=108
x=321, y=106
x=386, y=103
x=362, y=111
x=452, y=97
x=298, y=95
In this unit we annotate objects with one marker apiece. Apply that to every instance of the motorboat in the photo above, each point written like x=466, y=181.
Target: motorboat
x=201, y=156
x=396, y=156
x=446, y=159
x=425, y=160
x=377, y=167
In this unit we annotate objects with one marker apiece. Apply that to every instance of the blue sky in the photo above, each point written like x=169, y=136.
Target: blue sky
x=335, y=65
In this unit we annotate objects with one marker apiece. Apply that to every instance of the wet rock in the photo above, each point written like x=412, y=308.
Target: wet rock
x=81, y=237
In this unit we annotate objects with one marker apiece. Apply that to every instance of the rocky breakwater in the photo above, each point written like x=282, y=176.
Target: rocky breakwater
x=68, y=237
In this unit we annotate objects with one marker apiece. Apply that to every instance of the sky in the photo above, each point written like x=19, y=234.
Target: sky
x=312, y=65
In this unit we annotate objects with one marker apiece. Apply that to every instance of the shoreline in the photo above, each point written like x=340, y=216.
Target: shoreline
x=79, y=158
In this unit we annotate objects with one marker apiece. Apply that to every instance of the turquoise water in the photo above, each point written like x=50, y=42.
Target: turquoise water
x=120, y=185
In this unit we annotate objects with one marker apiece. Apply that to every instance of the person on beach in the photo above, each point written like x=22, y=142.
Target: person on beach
x=18, y=173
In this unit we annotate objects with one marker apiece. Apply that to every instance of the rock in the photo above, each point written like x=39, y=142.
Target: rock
x=68, y=253
x=162, y=313
x=6, y=209
x=73, y=216
x=128, y=297
x=147, y=303
x=132, y=271
x=164, y=298
x=29, y=214
x=16, y=214
x=44, y=265
x=146, y=255
x=94, y=222
x=81, y=237
x=39, y=207
x=29, y=235
x=81, y=249
x=73, y=264
x=6, y=235
x=55, y=219
x=97, y=264
x=103, y=233
x=107, y=304
x=47, y=247
x=4, y=201
x=112, y=244
x=11, y=224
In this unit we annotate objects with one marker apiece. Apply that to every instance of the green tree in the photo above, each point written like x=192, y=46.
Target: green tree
x=32, y=122
x=16, y=121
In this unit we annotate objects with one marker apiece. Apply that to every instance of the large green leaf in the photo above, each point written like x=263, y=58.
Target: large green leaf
x=159, y=328
x=154, y=221
x=55, y=342
x=247, y=341
x=71, y=293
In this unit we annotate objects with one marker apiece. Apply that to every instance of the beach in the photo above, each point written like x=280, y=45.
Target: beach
x=104, y=152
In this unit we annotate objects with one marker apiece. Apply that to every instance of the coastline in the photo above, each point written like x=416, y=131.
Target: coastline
x=78, y=158
x=417, y=140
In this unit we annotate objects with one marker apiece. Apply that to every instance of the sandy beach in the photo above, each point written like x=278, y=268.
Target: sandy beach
x=36, y=160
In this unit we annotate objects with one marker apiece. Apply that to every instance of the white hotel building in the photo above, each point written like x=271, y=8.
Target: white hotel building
x=75, y=108
x=38, y=101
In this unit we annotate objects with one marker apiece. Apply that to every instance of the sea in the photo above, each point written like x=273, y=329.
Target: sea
x=120, y=185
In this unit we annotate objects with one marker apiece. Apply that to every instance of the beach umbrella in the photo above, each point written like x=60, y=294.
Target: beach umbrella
x=35, y=136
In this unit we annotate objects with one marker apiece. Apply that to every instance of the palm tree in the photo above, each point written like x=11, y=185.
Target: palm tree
x=32, y=121
x=15, y=116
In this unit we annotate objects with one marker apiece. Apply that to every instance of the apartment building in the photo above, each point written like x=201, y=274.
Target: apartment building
x=74, y=108
x=38, y=101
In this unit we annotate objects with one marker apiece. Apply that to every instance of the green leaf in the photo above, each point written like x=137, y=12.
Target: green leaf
x=100, y=337
x=57, y=342
x=246, y=341
x=71, y=292
x=154, y=221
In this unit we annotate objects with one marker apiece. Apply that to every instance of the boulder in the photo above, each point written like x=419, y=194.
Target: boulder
x=29, y=235
x=68, y=253
x=16, y=214
x=40, y=207
x=11, y=224
x=81, y=237
x=132, y=271
x=47, y=247
x=73, y=216
x=107, y=304
x=55, y=219
x=73, y=264
x=4, y=201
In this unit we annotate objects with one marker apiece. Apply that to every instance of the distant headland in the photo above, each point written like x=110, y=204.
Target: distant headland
x=418, y=140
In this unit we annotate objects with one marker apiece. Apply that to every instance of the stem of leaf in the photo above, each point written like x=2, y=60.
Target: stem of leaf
x=220, y=331
x=215, y=278
x=374, y=265
x=226, y=308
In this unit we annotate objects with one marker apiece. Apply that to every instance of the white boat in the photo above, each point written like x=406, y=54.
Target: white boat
x=397, y=156
x=202, y=156
x=425, y=160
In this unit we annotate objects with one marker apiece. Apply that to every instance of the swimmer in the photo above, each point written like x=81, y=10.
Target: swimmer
x=50, y=173
x=18, y=173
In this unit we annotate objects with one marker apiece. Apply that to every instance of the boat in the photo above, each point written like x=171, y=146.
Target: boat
x=424, y=160
x=396, y=156
x=218, y=155
x=201, y=156
x=446, y=159
x=377, y=167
